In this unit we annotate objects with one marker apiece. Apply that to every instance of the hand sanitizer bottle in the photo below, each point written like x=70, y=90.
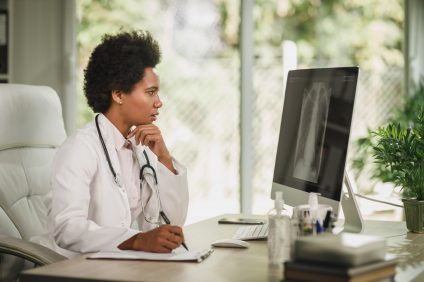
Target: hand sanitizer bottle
x=278, y=232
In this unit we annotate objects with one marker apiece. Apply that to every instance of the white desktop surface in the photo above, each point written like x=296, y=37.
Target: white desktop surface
x=225, y=264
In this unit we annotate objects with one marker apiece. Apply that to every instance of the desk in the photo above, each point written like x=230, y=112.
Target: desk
x=223, y=265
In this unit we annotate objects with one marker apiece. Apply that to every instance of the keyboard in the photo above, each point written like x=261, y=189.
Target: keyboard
x=252, y=232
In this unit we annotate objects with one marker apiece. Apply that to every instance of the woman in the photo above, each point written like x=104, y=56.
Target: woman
x=117, y=173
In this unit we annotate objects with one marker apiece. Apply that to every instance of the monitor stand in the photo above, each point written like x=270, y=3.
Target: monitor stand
x=353, y=219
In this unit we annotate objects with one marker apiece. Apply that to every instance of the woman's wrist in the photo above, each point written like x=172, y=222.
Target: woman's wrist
x=129, y=244
x=167, y=161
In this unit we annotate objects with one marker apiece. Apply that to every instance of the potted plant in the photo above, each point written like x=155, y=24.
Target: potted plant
x=405, y=115
x=401, y=151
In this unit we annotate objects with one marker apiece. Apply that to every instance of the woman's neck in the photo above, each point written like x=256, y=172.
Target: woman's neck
x=117, y=121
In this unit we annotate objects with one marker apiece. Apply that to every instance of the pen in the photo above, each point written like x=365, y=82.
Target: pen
x=327, y=220
x=318, y=227
x=166, y=219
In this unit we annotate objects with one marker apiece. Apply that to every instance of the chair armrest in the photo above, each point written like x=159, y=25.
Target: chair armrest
x=33, y=252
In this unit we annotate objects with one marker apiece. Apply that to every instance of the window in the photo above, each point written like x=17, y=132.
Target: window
x=200, y=77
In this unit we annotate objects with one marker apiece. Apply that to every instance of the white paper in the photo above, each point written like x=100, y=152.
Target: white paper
x=179, y=254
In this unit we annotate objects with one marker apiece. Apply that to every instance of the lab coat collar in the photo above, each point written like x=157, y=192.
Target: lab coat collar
x=116, y=135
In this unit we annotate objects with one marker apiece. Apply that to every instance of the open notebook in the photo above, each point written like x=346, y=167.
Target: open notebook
x=179, y=254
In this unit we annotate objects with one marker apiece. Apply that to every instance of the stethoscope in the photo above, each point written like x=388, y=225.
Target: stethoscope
x=142, y=177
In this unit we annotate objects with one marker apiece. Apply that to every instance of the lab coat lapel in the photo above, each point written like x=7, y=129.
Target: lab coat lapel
x=149, y=194
x=107, y=133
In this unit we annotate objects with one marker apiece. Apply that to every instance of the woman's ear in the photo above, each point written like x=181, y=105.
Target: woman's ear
x=117, y=96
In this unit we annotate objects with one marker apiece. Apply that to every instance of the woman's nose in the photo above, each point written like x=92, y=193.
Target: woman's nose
x=158, y=103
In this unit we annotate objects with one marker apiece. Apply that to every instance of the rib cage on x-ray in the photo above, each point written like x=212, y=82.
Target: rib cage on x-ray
x=311, y=133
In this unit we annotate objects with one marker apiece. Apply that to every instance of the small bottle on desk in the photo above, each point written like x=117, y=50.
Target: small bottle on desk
x=279, y=235
x=295, y=228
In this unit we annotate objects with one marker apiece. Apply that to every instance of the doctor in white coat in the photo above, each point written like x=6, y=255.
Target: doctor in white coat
x=114, y=183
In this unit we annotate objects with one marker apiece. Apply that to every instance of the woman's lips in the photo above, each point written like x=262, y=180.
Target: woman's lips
x=155, y=116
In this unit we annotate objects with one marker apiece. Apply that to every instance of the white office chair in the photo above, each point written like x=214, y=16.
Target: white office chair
x=31, y=128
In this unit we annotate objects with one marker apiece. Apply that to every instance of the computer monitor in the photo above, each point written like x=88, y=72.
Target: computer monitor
x=314, y=138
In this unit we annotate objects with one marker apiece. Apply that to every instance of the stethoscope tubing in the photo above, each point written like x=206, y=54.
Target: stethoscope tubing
x=146, y=166
x=105, y=150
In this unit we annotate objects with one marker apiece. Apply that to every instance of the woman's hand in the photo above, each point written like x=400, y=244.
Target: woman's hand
x=163, y=239
x=150, y=135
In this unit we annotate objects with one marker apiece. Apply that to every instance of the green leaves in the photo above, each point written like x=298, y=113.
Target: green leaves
x=401, y=151
x=395, y=153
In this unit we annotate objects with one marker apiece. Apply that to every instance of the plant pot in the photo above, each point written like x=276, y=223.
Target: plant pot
x=414, y=215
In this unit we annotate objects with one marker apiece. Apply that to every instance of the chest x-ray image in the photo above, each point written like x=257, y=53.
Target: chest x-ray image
x=311, y=132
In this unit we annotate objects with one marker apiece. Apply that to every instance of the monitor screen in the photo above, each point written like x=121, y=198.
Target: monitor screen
x=314, y=132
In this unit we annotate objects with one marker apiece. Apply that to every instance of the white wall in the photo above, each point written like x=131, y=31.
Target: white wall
x=44, y=49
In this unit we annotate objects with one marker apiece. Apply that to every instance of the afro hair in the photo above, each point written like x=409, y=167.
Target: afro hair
x=118, y=63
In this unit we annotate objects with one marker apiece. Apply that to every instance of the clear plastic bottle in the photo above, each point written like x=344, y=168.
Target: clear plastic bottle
x=313, y=206
x=295, y=226
x=278, y=232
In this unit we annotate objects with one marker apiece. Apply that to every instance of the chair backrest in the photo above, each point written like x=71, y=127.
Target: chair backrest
x=31, y=129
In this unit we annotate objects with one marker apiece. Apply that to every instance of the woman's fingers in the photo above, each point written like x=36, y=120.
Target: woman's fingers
x=151, y=136
x=169, y=244
x=177, y=231
x=145, y=135
x=172, y=236
x=139, y=128
x=163, y=239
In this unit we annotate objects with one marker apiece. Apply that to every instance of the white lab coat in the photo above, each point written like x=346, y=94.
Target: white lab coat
x=89, y=211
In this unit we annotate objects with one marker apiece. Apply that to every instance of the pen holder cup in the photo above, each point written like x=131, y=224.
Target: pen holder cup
x=309, y=223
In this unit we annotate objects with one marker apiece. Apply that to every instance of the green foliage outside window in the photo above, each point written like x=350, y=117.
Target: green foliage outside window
x=327, y=33
x=334, y=32
x=392, y=153
x=201, y=93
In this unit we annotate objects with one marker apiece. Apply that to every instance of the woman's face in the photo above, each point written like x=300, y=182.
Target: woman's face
x=141, y=105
